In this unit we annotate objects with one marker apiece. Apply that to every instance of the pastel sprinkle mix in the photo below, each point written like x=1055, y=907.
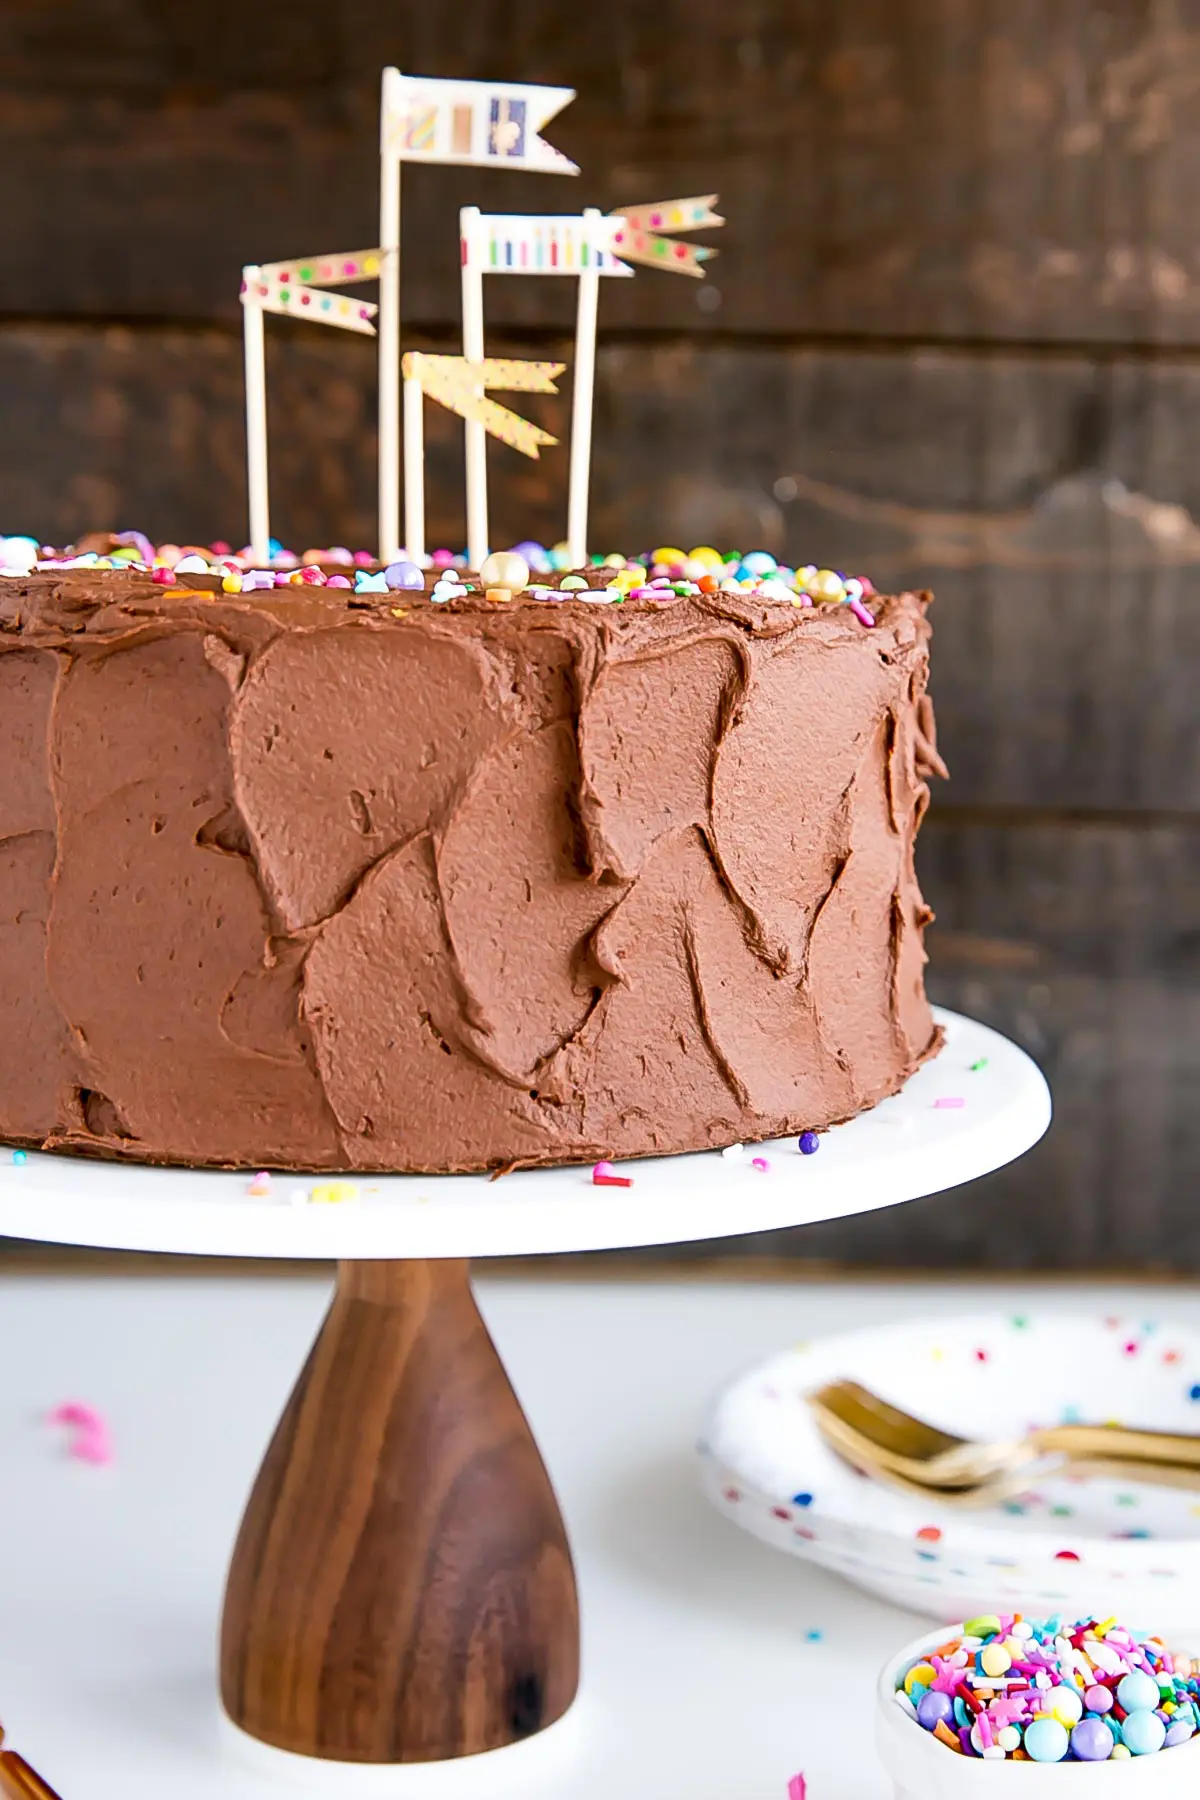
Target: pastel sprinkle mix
x=1050, y=1691
x=660, y=577
x=259, y=1186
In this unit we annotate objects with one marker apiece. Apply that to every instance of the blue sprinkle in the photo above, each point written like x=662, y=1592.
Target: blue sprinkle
x=1194, y=1391
x=810, y=1143
x=19, y=1157
x=813, y=1637
x=802, y=1499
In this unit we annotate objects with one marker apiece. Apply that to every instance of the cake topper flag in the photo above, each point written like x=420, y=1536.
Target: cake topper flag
x=488, y=124
x=460, y=386
x=478, y=122
x=579, y=245
x=646, y=234
x=297, y=289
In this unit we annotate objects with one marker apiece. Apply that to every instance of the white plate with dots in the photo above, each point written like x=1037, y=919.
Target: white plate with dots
x=1067, y=1546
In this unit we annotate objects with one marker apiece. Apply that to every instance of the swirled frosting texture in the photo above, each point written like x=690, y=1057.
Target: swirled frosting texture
x=289, y=880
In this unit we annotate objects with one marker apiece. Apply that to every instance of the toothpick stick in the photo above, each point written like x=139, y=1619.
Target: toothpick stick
x=389, y=325
x=581, y=406
x=256, y=423
x=475, y=431
x=414, y=469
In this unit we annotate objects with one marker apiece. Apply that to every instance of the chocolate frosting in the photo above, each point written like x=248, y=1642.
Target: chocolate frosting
x=305, y=879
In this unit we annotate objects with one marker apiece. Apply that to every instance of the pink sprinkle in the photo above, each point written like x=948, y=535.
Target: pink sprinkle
x=860, y=612
x=74, y=1412
x=92, y=1447
x=604, y=1175
x=90, y=1441
x=949, y=1100
x=797, y=1788
x=761, y=1163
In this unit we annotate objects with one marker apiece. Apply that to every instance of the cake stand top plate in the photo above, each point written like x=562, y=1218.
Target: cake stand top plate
x=905, y=1147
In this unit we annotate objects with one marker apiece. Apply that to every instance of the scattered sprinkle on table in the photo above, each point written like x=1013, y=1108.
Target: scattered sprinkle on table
x=797, y=1788
x=761, y=1164
x=946, y=1101
x=90, y=1441
x=1052, y=1691
x=810, y=1143
x=981, y=1062
x=259, y=1185
x=19, y=1158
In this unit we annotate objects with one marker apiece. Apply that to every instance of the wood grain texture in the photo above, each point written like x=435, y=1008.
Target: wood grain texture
x=1052, y=502
x=402, y=1588
x=926, y=168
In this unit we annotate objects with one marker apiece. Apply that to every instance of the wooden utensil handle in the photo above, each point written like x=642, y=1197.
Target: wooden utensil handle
x=402, y=1587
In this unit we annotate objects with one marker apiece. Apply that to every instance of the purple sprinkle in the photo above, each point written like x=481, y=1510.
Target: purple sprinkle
x=810, y=1143
x=949, y=1100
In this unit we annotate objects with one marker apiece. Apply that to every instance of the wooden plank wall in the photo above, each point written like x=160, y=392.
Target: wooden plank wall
x=952, y=339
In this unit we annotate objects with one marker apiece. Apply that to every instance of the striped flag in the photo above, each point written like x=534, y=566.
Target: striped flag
x=484, y=123
x=542, y=244
x=646, y=234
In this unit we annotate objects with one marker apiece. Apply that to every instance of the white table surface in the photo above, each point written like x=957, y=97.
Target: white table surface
x=699, y=1683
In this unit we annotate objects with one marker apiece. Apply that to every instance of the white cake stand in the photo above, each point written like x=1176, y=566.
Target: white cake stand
x=401, y=1597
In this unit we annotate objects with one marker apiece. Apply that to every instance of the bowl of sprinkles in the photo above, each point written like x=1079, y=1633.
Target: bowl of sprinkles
x=1047, y=1694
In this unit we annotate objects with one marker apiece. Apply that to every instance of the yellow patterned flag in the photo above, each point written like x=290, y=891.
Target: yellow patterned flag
x=647, y=233
x=457, y=385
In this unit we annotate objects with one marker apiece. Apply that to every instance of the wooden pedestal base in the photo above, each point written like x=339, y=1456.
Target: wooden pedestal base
x=402, y=1589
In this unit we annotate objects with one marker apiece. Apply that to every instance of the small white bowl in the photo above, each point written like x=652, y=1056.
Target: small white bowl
x=1068, y=1548
x=924, y=1769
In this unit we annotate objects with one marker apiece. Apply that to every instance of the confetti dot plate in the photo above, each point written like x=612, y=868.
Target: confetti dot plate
x=1067, y=1545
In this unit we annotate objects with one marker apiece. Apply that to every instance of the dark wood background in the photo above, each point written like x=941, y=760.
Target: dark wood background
x=952, y=339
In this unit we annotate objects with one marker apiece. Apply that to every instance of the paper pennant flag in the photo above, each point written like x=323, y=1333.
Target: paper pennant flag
x=324, y=271
x=300, y=302
x=543, y=244
x=645, y=233
x=455, y=384
x=478, y=122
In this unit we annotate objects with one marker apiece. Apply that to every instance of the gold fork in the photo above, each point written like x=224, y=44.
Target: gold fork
x=881, y=1438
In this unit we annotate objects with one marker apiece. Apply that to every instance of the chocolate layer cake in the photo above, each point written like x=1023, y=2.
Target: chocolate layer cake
x=310, y=879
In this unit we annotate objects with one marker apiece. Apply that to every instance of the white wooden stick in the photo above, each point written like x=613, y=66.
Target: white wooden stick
x=389, y=325
x=256, y=423
x=476, y=434
x=581, y=405
x=414, y=470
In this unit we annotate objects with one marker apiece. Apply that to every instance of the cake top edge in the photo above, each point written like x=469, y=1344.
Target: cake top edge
x=125, y=571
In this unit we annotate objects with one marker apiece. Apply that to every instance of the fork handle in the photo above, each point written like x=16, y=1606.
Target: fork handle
x=1120, y=1443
